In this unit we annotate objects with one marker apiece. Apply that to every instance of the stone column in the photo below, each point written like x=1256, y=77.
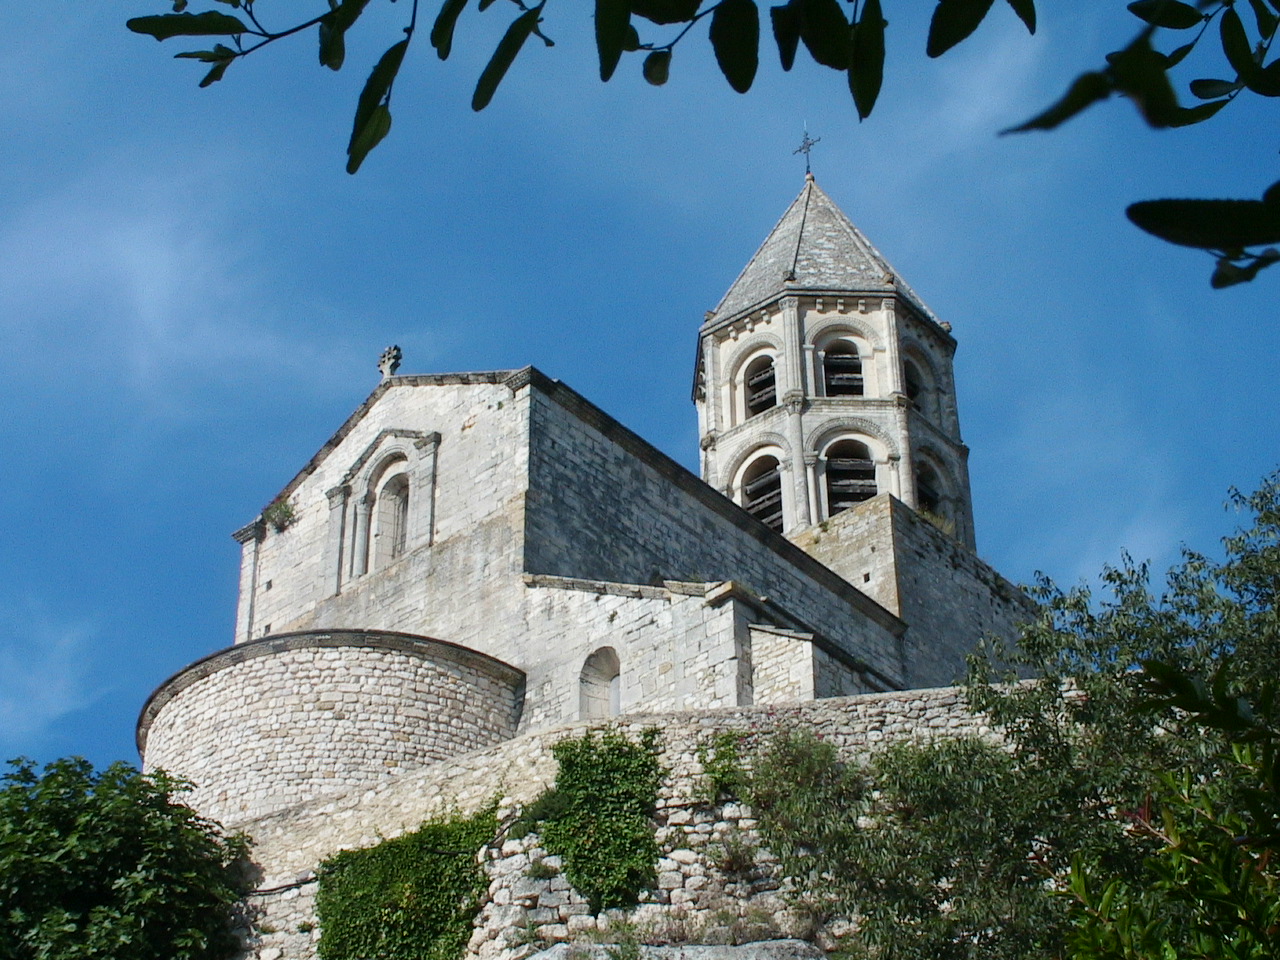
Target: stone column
x=811, y=476
x=334, y=537
x=361, y=543
x=794, y=402
x=422, y=493
x=253, y=534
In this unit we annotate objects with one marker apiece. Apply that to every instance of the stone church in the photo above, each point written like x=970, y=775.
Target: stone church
x=475, y=557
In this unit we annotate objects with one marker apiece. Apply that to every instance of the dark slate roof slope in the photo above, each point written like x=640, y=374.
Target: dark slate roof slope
x=813, y=247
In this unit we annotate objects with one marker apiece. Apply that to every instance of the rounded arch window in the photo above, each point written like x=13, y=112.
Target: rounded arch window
x=600, y=685
x=760, y=385
x=842, y=369
x=850, y=475
x=391, y=514
x=917, y=384
x=929, y=487
x=762, y=491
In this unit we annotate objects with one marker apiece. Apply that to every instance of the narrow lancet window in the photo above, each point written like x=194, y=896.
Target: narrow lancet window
x=762, y=492
x=761, y=386
x=851, y=475
x=842, y=370
x=600, y=685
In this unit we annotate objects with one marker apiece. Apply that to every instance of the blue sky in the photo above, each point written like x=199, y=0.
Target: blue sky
x=194, y=294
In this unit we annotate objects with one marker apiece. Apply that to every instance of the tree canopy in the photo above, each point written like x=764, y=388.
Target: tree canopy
x=1129, y=811
x=107, y=865
x=848, y=38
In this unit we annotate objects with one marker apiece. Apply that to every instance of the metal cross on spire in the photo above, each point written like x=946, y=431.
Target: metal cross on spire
x=806, y=147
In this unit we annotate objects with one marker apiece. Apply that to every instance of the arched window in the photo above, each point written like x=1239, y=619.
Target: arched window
x=916, y=385
x=842, y=369
x=391, y=518
x=600, y=686
x=928, y=490
x=851, y=475
x=762, y=491
x=760, y=386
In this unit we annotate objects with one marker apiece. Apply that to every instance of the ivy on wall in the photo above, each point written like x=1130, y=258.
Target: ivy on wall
x=411, y=898
x=598, y=817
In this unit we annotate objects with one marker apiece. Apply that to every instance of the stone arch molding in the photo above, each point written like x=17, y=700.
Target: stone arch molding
x=758, y=443
x=834, y=326
x=349, y=550
x=747, y=349
x=833, y=429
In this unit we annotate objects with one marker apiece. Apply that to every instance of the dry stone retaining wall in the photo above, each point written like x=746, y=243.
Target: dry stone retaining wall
x=703, y=892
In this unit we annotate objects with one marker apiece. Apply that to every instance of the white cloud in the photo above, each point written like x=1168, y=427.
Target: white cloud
x=45, y=670
x=142, y=280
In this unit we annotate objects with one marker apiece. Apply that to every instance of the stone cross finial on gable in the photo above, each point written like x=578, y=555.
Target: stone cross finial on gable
x=389, y=362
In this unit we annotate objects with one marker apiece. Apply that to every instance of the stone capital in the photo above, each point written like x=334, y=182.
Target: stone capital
x=338, y=494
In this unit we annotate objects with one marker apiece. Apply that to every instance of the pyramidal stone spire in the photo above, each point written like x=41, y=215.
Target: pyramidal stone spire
x=813, y=248
x=823, y=382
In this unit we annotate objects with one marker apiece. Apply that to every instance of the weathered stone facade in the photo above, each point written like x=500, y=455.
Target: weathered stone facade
x=701, y=891
x=477, y=564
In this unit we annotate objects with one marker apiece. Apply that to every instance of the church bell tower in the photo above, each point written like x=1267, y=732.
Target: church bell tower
x=823, y=382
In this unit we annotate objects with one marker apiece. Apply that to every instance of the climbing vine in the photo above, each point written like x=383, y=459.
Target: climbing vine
x=410, y=898
x=598, y=817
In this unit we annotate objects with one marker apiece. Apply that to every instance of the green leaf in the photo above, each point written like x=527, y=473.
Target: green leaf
x=1187, y=116
x=1171, y=14
x=218, y=53
x=1235, y=44
x=1272, y=195
x=442, y=29
x=504, y=55
x=1227, y=225
x=1228, y=274
x=735, y=38
x=1177, y=55
x=825, y=32
x=1139, y=72
x=1265, y=82
x=866, y=58
x=1213, y=89
x=368, y=119
x=333, y=29
x=665, y=11
x=657, y=66
x=1086, y=90
x=372, y=133
x=613, y=20
x=1267, y=20
x=953, y=21
x=786, y=31
x=165, y=25
x=1026, y=11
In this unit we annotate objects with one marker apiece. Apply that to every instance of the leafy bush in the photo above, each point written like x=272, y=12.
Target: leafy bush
x=602, y=828
x=410, y=898
x=108, y=866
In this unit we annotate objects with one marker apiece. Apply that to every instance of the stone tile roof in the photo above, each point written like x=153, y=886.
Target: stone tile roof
x=813, y=247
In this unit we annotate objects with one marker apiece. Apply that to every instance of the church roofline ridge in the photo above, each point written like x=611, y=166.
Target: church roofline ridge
x=412, y=380
x=640, y=448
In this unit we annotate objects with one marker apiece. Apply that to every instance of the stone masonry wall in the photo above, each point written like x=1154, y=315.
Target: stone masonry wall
x=476, y=510
x=704, y=889
x=947, y=595
x=273, y=723
x=603, y=505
